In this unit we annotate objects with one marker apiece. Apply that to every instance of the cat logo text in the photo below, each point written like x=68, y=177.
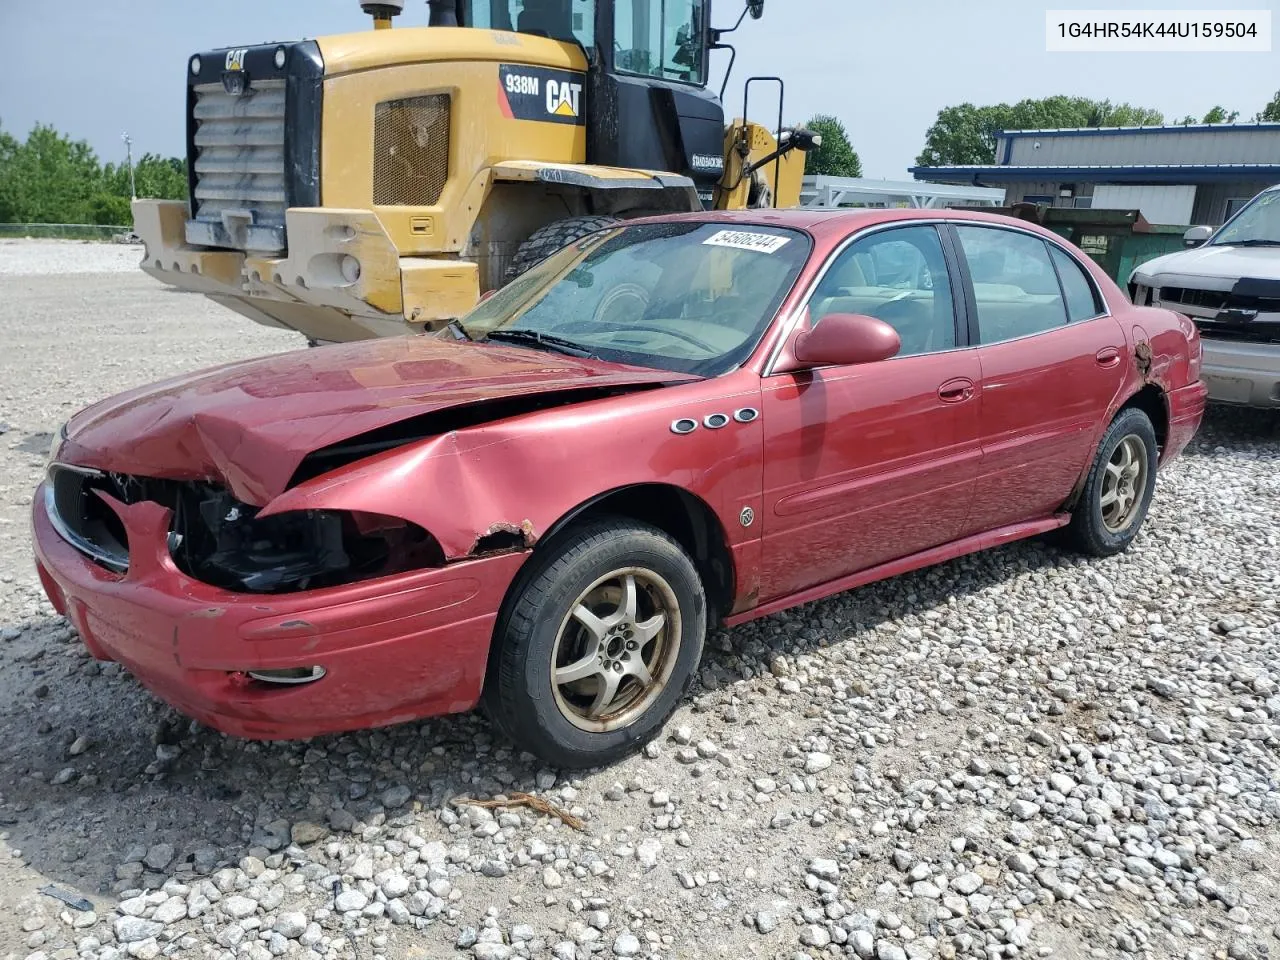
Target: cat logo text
x=564, y=98
x=541, y=94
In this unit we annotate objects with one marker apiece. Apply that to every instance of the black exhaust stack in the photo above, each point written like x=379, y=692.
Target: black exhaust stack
x=444, y=13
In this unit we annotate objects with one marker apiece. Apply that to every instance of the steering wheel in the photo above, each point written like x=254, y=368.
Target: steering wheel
x=679, y=334
x=617, y=300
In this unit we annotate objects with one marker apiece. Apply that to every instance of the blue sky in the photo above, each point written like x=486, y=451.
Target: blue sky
x=95, y=68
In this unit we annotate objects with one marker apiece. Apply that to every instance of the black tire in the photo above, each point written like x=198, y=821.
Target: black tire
x=553, y=238
x=520, y=697
x=1088, y=532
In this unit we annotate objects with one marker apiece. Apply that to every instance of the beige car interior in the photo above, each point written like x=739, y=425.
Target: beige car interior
x=923, y=316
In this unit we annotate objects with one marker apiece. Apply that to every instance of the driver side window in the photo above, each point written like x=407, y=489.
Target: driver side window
x=898, y=276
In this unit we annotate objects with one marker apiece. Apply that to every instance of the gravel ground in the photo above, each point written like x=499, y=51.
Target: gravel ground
x=28, y=258
x=1020, y=753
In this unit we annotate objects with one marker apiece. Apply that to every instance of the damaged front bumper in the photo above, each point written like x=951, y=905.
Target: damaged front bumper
x=389, y=650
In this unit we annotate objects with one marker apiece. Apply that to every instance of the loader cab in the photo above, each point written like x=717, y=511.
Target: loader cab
x=646, y=100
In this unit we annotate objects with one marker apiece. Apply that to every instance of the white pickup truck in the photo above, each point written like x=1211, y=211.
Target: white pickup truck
x=1229, y=284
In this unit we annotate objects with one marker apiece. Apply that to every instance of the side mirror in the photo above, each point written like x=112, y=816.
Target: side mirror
x=755, y=8
x=1196, y=236
x=847, y=338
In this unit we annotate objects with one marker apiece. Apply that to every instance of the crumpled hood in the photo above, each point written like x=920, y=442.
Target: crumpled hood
x=250, y=424
x=1225, y=263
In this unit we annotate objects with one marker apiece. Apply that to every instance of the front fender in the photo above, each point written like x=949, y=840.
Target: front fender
x=525, y=474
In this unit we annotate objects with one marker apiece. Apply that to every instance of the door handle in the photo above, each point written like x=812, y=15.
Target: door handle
x=956, y=391
x=1108, y=356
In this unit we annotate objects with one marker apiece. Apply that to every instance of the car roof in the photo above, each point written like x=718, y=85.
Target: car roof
x=825, y=222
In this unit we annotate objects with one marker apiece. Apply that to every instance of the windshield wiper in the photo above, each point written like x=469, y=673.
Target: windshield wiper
x=459, y=331
x=1256, y=242
x=546, y=341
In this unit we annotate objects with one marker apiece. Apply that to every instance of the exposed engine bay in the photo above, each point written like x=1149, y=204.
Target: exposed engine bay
x=220, y=541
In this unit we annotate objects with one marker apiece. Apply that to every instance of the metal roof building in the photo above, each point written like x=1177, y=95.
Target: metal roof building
x=1196, y=174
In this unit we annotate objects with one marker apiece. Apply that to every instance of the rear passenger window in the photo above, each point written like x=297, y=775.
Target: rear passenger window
x=1082, y=298
x=1014, y=283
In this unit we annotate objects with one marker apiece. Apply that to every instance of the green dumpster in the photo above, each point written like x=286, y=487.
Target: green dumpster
x=1117, y=240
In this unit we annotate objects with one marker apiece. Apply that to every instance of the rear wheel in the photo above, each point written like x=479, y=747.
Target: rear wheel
x=598, y=645
x=1118, y=491
x=553, y=238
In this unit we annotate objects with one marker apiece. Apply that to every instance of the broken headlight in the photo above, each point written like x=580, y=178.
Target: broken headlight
x=222, y=542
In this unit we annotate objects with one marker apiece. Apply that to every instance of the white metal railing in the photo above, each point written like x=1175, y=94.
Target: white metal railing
x=866, y=192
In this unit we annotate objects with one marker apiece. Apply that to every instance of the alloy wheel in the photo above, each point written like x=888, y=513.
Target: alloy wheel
x=616, y=649
x=1124, y=483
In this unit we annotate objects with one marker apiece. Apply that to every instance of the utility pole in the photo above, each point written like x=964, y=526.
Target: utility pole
x=128, y=145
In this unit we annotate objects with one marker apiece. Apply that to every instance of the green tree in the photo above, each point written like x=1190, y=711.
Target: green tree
x=836, y=157
x=50, y=178
x=158, y=178
x=1272, y=110
x=962, y=135
x=966, y=134
x=110, y=210
x=1219, y=115
x=1104, y=113
x=9, y=148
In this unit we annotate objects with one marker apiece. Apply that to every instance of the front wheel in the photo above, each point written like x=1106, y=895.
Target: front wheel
x=599, y=643
x=1118, y=491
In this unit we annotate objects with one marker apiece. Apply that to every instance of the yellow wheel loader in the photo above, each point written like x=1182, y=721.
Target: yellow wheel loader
x=379, y=183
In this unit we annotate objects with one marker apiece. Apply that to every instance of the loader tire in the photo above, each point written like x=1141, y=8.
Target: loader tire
x=552, y=238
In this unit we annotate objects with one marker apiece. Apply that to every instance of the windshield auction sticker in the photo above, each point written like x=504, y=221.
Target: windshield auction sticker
x=742, y=240
x=1158, y=31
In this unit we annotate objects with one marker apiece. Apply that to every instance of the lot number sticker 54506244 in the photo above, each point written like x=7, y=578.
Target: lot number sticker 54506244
x=744, y=240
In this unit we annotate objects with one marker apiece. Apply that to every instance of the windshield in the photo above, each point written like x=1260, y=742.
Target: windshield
x=1258, y=222
x=685, y=296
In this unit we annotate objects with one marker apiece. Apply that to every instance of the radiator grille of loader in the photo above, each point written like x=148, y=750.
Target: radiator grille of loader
x=240, y=164
x=411, y=151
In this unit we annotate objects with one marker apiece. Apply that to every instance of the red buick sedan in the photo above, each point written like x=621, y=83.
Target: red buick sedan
x=670, y=424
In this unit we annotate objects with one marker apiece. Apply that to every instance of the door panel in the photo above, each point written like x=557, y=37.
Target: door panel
x=865, y=464
x=1046, y=383
x=1044, y=403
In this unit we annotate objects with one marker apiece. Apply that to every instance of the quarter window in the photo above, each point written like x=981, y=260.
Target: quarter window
x=1015, y=286
x=661, y=38
x=900, y=277
x=1082, y=298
